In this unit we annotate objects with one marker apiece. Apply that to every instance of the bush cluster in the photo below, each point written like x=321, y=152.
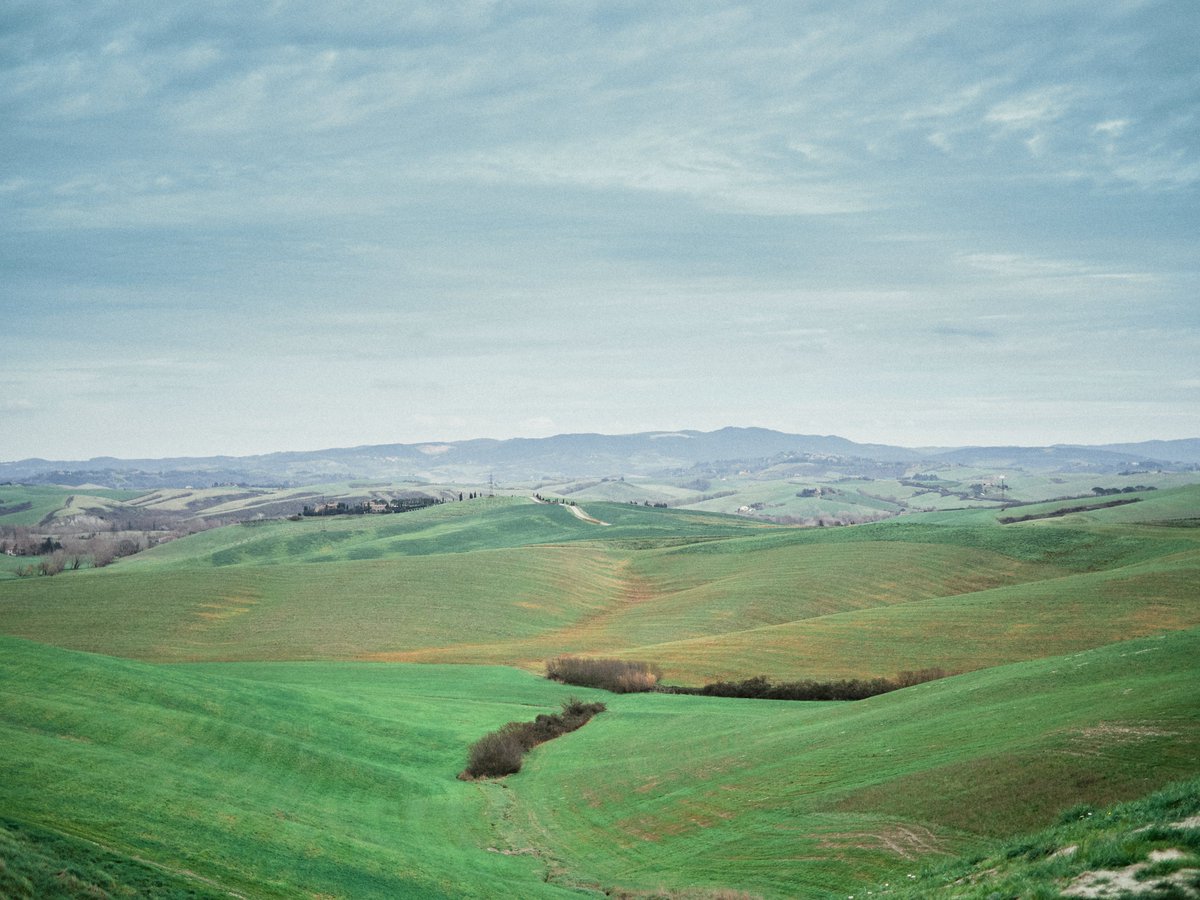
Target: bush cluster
x=621, y=676
x=500, y=752
x=1067, y=510
x=761, y=688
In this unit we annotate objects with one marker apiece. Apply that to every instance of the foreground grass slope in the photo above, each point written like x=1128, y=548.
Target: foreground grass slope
x=792, y=799
x=1149, y=847
x=337, y=779
x=41, y=864
x=341, y=783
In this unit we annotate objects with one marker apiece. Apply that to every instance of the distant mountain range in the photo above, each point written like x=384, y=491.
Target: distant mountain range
x=665, y=453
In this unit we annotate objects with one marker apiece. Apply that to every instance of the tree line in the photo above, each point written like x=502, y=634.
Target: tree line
x=624, y=676
x=372, y=507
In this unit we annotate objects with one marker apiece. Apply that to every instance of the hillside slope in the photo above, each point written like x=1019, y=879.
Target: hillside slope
x=274, y=779
x=513, y=582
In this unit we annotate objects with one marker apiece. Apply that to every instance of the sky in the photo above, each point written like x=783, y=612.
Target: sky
x=235, y=228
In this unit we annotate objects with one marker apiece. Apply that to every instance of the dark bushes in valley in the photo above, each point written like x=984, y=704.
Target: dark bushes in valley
x=1067, y=510
x=499, y=753
x=761, y=688
x=621, y=676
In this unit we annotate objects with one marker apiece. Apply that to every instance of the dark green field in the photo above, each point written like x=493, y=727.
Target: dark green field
x=246, y=716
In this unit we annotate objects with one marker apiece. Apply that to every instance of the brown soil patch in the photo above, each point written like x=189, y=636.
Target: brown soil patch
x=222, y=609
x=905, y=841
x=1094, y=740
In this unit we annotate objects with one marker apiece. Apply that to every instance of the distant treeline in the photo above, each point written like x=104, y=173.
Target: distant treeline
x=371, y=507
x=623, y=676
x=561, y=500
x=500, y=752
x=1066, y=511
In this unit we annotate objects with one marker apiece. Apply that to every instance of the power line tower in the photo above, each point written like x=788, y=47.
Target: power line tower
x=491, y=484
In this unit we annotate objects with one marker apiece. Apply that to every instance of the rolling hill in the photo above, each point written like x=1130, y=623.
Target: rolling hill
x=239, y=710
x=527, y=460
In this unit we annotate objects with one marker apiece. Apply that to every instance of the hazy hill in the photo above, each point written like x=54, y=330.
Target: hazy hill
x=1056, y=458
x=573, y=455
x=1185, y=450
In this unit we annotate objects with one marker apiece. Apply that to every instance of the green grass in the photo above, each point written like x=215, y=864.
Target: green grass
x=337, y=610
x=46, y=500
x=795, y=799
x=508, y=581
x=339, y=778
x=1087, y=840
x=959, y=633
x=40, y=864
x=487, y=524
x=258, y=754
x=334, y=780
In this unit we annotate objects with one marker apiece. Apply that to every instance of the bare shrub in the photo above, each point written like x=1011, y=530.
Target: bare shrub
x=103, y=553
x=621, y=676
x=53, y=564
x=128, y=546
x=761, y=688
x=496, y=753
x=499, y=753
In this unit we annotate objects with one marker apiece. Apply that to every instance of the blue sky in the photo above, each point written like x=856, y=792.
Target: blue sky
x=328, y=224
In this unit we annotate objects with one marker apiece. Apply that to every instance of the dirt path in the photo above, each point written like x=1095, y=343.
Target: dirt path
x=580, y=514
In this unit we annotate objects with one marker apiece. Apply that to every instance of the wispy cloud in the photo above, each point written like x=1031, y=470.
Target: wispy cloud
x=584, y=213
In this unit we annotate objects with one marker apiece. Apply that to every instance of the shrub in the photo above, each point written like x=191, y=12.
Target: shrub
x=499, y=753
x=53, y=564
x=761, y=688
x=621, y=676
x=496, y=753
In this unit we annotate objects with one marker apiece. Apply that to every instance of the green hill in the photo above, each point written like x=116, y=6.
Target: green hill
x=241, y=733
x=339, y=778
x=512, y=582
x=1149, y=848
x=345, y=787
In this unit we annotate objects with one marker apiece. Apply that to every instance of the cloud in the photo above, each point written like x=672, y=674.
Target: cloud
x=725, y=175
x=1111, y=128
x=986, y=335
x=498, y=215
x=1031, y=109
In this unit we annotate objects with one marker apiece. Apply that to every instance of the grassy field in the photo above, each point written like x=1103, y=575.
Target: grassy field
x=339, y=779
x=240, y=730
x=506, y=581
x=1149, y=846
x=341, y=783
x=23, y=504
x=801, y=799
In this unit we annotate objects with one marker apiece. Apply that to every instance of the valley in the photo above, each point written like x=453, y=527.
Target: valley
x=280, y=706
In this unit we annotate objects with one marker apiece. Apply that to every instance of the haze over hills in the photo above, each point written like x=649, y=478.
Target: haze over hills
x=581, y=455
